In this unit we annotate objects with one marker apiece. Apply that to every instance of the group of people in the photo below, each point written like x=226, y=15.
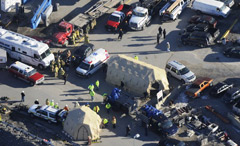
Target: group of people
x=159, y=35
x=91, y=89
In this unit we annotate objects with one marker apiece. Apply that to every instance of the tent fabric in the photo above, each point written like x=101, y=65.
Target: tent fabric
x=136, y=75
x=82, y=122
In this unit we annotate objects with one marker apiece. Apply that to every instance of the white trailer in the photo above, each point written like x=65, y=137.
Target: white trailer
x=25, y=49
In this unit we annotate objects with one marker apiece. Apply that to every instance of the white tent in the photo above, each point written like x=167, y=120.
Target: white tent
x=83, y=122
x=138, y=77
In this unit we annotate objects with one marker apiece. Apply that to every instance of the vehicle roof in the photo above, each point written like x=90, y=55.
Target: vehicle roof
x=64, y=24
x=233, y=90
x=16, y=38
x=198, y=81
x=94, y=57
x=82, y=48
x=176, y=64
x=209, y=2
x=140, y=9
x=117, y=13
x=22, y=66
x=49, y=109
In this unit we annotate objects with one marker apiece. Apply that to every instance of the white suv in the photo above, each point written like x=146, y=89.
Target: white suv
x=48, y=113
x=179, y=71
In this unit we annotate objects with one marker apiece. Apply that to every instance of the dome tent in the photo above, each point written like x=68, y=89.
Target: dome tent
x=83, y=122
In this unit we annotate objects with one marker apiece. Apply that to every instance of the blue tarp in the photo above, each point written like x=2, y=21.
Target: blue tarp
x=114, y=95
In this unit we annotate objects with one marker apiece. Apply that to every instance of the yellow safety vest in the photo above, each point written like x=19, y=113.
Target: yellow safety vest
x=105, y=121
x=108, y=106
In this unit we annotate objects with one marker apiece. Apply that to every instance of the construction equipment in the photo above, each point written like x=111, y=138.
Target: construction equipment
x=42, y=13
x=82, y=23
x=217, y=114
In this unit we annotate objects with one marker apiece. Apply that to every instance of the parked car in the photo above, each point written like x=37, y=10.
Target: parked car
x=203, y=27
x=179, y=71
x=205, y=19
x=82, y=52
x=26, y=73
x=236, y=107
x=232, y=52
x=48, y=113
x=198, y=86
x=201, y=39
x=231, y=95
x=171, y=142
x=220, y=89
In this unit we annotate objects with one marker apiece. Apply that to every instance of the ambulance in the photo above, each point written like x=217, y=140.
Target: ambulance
x=92, y=63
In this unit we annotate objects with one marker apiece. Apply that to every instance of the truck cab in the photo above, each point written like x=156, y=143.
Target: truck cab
x=64, y=31
x=114, y=20
x=140, y=18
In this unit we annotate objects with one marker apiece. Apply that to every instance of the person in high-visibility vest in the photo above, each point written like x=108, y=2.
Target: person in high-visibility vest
x=56, y=71
x=97, y=84
x=136, y=57
x=96, y=108
x=56, y=106
x=47, y=102
x=52, y=103
x=105, y=97
x=61, y=72
x=114, y=121
x=92, y=94
x=105, y=122
x=0, y=118
x=52, y=65
x=91, y=87
x=108, y=106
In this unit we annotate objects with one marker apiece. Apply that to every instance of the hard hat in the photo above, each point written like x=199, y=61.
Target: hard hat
x=66, y=105
x=56, y=103
x=22, y=91
x=37, y=99
x=52, y=100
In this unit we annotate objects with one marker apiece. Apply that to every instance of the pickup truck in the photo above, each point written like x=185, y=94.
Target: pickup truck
x=116, y=19
x=142, y=16
x=198, y=86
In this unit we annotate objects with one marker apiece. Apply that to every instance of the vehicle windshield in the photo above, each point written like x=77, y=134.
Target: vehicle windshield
x=223, y=8
x=45, y=54
x=114, y=18
x=139, y=14
x=184, y=71
x=32, y=72
x=167, y=124
x=84, y=66
x=61, y=29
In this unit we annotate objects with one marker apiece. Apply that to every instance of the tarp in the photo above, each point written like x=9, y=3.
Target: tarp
x=82, y=122
x=137, y=76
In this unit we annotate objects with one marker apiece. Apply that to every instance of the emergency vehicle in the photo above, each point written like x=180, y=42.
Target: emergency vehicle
x=92, y=63
x=25, y=49
x=48, y=113
x=26, y=73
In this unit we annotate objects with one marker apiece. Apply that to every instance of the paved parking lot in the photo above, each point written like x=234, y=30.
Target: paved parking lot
x=204, y=62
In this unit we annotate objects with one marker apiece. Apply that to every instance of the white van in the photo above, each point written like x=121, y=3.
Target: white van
x=211, y=7
x=92, y=63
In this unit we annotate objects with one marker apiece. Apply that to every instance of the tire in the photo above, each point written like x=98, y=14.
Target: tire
x=31, y=115
x=31, y=83
x=40, y=66
x=169, y=74
x=182, y=81
x=144, y=26
x=198, y=12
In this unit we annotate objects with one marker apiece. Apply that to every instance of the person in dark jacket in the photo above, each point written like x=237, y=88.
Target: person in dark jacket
x=120, y=34
x=164, y=33
x=128, y=129
x=160, y=30
x=23, y=96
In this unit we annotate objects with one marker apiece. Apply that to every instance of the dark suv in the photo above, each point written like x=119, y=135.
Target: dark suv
x=203, y=19
x=201, y=39
x=81, y=53
x=203, y=27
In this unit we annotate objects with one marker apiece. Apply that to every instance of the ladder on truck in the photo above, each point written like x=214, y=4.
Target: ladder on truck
x=173, y=6
x=87, y=20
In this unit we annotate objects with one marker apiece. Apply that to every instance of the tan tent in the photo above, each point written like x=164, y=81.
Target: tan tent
x=82, y=122
x=138, y=77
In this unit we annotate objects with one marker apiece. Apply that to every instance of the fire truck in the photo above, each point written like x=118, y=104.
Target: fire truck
x=81, y=24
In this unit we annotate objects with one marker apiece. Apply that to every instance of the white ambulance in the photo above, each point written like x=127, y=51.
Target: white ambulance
x=92, y=63
x=25, y=49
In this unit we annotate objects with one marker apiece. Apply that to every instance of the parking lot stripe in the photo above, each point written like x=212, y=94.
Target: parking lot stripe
x=228, y=31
